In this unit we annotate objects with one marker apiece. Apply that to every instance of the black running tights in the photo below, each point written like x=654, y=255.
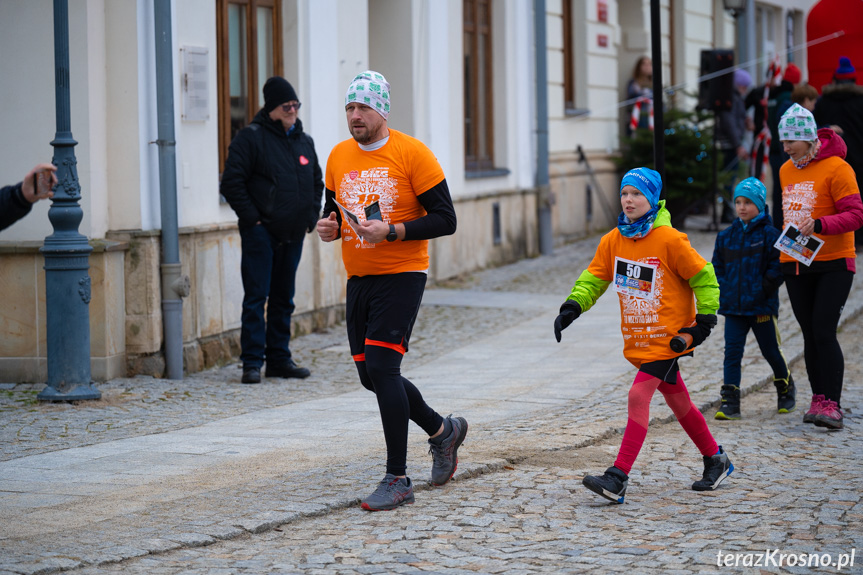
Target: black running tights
x=398, y=400
x=817, y=300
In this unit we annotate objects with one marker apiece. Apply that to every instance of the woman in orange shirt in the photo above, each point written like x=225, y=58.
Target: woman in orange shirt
x=820, y=198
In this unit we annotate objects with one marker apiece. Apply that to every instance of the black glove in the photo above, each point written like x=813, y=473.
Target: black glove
x=704, y=322
x=569, y=312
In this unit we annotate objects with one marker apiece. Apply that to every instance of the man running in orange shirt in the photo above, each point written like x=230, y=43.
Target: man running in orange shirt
x=386, y=196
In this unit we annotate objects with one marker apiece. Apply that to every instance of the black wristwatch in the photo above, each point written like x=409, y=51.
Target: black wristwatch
x=391, y=237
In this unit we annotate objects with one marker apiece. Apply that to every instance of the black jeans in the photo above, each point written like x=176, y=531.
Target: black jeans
x=817, y=300
x=269, y=269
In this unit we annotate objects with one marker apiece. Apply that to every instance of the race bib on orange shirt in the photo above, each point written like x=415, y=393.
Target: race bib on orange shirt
x=634, y=278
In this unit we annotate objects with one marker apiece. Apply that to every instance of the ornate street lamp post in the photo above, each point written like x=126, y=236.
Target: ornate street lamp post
x=66, y=252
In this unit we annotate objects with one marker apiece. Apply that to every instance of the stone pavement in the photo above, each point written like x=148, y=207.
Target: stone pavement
x=210, y=476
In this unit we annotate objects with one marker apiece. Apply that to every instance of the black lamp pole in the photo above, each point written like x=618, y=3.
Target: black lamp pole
x=658, y=119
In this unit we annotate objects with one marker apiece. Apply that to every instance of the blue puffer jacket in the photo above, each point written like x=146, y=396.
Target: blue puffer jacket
x=747, y=267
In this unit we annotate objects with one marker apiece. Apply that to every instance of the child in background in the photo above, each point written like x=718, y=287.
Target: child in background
x=655, y=271
x=747, y=267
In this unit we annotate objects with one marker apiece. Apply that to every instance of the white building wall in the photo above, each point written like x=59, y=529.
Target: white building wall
x=433, y=94
x=597, y=86
x=123, y=167
x=452, y=57
x=148, y=155
x=97, y=125
x=693, y=32
x=522, y=93
x=197, y=142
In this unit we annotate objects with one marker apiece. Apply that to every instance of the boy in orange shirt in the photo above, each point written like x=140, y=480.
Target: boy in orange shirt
x=655, y=271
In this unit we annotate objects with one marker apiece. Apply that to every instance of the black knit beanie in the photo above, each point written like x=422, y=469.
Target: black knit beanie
x=277, y=91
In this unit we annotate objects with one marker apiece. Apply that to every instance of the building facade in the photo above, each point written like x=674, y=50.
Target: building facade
x=462, y=74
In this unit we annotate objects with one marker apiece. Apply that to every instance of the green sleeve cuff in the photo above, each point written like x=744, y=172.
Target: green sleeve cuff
x=706, y=290
x=587, y=289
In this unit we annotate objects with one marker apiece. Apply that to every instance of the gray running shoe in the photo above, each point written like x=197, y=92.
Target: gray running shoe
x=392, y=492
x=445, y=455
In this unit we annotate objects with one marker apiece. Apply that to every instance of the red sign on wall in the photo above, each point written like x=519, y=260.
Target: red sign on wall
x=602, y=40
x=602, y=10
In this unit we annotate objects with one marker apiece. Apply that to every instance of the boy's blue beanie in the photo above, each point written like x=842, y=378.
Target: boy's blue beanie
x=647, y=182
x=753, y=189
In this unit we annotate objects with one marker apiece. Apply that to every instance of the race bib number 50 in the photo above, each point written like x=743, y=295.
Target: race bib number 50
x=634, y=279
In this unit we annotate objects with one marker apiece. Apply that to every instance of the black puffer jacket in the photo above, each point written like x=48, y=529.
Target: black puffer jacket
x=747, y=268
x=274, y=178
x=842, y=105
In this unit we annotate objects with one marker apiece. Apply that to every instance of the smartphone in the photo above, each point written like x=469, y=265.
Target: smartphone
x=373, y=211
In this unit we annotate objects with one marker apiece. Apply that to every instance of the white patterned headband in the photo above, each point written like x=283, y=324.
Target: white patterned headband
x=372, y=89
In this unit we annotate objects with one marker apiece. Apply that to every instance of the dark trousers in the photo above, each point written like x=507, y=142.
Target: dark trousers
x=817, y=300
x=269, y=269
x=766, y=334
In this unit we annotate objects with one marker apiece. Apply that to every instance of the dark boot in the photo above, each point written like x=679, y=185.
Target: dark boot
x=730, y=408
x=286, y=370
x=251, y=375
x=785, y=394
x=716, y=468
x=611, y=485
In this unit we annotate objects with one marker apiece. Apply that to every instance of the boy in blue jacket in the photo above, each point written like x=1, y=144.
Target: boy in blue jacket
x=747, y=267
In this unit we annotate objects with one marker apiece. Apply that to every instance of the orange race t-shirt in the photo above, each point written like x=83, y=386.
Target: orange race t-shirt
x=666, y=303
x=394, y=176
x=814, y=191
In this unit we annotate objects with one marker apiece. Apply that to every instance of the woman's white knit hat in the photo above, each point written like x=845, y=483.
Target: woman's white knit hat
x=798, y=124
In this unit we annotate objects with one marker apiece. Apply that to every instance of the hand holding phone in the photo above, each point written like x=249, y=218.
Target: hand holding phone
x=373, y=211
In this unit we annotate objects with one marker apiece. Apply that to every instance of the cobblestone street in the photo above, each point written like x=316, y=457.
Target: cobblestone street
x=535, y=516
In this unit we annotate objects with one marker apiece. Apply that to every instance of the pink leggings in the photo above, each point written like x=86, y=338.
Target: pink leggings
x=677, y=398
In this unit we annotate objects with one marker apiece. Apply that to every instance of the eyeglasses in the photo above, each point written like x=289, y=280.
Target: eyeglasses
x=291, y=106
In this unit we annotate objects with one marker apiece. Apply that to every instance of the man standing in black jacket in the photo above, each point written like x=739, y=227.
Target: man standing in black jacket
x=273, y=181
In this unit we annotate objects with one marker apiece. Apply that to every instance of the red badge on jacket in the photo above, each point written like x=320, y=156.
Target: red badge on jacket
x=304, y=161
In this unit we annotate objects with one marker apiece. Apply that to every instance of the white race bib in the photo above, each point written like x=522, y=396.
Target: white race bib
x=634, y=279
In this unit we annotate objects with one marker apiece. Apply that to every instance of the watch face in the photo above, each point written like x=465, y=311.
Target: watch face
x=392, y=236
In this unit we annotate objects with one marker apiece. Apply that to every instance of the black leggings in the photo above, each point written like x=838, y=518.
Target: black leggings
x=817, y=300
x=398, y=400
